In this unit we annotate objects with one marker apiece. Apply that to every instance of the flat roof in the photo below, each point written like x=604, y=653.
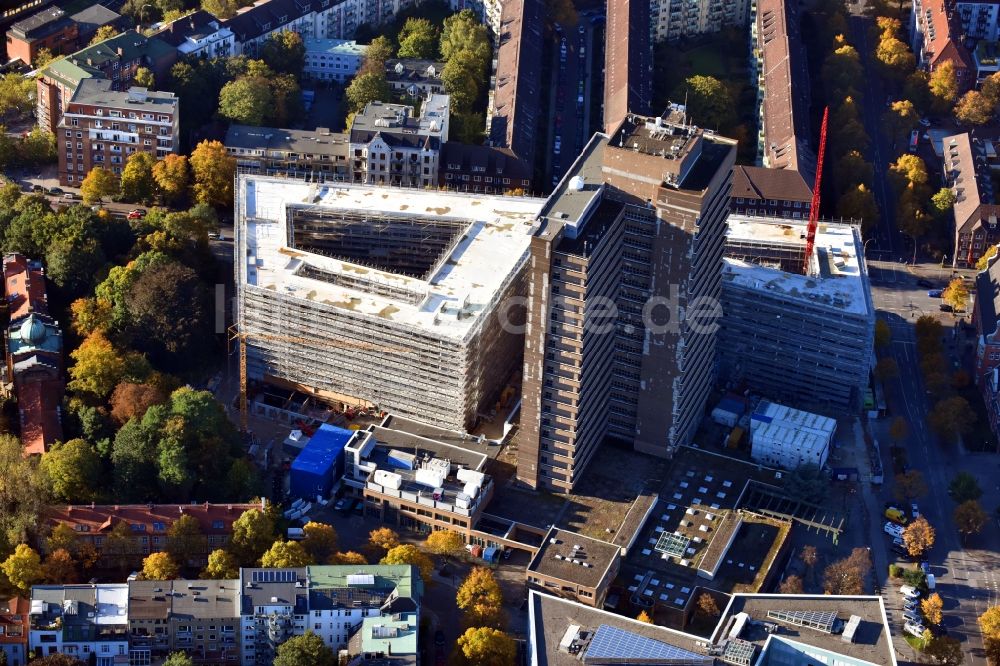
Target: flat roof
x=320, y=141
x=558, y=557
x=344, y=47
x=871, y=642
x=553, y=621
x=449, y=304
x=322, y=449
x=837, y=278
x=98, y=92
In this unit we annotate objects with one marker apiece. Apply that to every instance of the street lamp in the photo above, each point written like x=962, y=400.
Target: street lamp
x=142, y=13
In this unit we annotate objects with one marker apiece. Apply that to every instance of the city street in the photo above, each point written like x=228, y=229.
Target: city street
x=967, y=578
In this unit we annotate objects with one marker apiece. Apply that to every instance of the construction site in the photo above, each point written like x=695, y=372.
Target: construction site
x=382, y=298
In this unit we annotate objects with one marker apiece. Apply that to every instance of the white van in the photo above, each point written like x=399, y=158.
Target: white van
x=914, y=629
x=909, y=592
x=894, y=530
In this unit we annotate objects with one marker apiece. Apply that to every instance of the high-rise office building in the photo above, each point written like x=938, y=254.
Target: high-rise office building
x=625, y=278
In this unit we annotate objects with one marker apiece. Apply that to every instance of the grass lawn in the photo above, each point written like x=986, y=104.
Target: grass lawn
x=914, y=642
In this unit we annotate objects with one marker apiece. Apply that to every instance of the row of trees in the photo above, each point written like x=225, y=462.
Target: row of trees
x=951, y=416
x=989, y=624
x=463, y=45
x=206, y=177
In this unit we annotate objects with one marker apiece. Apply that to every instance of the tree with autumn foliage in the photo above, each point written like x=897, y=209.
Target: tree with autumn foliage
x=918, y=537
x=481, y=600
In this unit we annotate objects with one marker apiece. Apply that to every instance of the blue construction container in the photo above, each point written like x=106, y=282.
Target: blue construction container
x=320, y=463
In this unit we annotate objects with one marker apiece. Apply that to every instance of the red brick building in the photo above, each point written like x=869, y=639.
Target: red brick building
x=147, y=523
x=14, y=630
x=102, y=127
x=49, y=29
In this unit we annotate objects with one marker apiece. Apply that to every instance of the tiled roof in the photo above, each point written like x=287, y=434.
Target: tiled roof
x=39, y=404
x=785, y=78
x=93, y=17
x=752, y=182
x=24, y=282
x=154, y=518
x=127, y=46
x=176, y=32
x=264, y=17
x=518, y=90
x=14, y=612
x=942, y=36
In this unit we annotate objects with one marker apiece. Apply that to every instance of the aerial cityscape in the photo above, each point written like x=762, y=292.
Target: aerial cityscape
x=500, y=332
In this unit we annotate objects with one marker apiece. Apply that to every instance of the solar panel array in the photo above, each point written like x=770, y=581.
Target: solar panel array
x=360, y=579
x=611, y=645
x=824, y=621
x=274, y=576
x=738, y=652
x=672, y=544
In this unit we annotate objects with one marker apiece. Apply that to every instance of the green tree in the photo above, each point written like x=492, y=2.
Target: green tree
x=223, y=9
x=221, y=566
x=214, y=170
x=916, y=88
x=970, y=518
x=97, y=367
x=842, y=70
x=858, y=203
x=911, y=218
x=253, y=533
x=23, y=493
x=883, y=334
x=137, y=182
x=709, y=101
x=103, y=34
x=909, y=485
x=944, y=650
x=285, y=554
x=247, y=100
x=119, y=546
x=943, y=86
x=178, y=659
x=98, y=184
x=306, y=649
x=160, y=566
x=850, y=170
x=942, y=203
x=38, y=148
x=461, y=83
x=17, y=95
x=320, y=541
x=480, y=598
x=366, y=88
x=23, y=567
x=956, y=294
x=974, y=108
x=73, y=471
x=807, y=483
x=964, y=487
x=418, y=39
x=43, y=57
x=886, y=369
x=918, y=537
x=900, y=120
x=485, y=646
x=144, y=78
x=378, y=52
x=284, y=52
x=185, y=540
x=62, y=536
x=410, y=554
x=952, y=417
x=171, y=176
x=169, y=307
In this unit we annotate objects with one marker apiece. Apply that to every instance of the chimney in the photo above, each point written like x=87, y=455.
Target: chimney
x=120, y=51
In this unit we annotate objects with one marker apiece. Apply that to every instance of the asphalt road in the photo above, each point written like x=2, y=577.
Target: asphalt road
x=968, y=575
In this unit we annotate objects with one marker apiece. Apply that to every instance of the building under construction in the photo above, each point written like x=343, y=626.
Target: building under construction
x=383, y=297
x=801, y=337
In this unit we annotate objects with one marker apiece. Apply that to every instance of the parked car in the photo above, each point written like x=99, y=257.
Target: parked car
x=924, y=122
x=899, y=549
x=909, y=592
x=892, y=529
x=37, y=189
x=914, y=510
x=55, y=190
x=69, y=196
x=911, y=605
x=935, y=293
x=925, y=567
x=914, y=628
x=136, y=214
x=912, y=616
x=944, y=307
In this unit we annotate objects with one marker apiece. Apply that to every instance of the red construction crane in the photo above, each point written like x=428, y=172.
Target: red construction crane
x=814, y=206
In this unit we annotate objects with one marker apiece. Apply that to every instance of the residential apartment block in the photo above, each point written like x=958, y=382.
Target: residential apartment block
x=148, y=524
x=49, y=29
x=514, y=111
x=936, y=36
x=197, y=617
x=763, y=192
x=199, y=35
x=416, y=78
x=673, y=19
x=34, y=355
x=792, y=334
x=333, y=59
x=779, y=64
x=986, y=317
x=391, y=147
x=639, y=371
x=12, y=12
x=14, y=630
x=468, y=168
x=628, y=61
x=319, y=155
x=967, y=169
x=980, y=19
x=88, y=622
x=116, y=60
x=334, y=602
x=103, y=127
